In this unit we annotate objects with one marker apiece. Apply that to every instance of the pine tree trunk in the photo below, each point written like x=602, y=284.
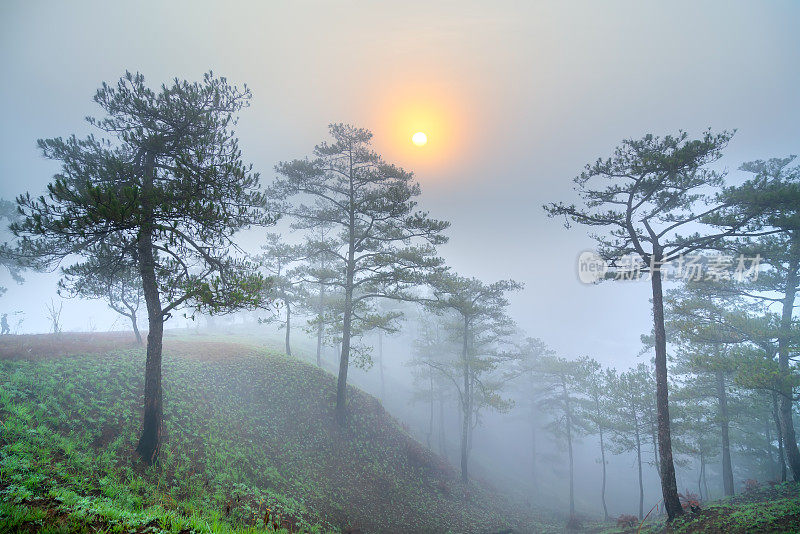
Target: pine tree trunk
x=534, y=475
x=638, y=456
x=320, y=324
x=784, y=342
x=568, y=421
x=781, y=451
x=669, y=485
x=471, y=411
x=654, y=438
x=442, y=446
x=727, y=469
x=150, y=439
x=639, y=464
x=380, y=364
x=465, y=421
x=467, y=416
x=700, y=476
x=431, y=403
x=768, y=439
x=136, y=329
x=288, y=327
x=344, y=359
x=603, y=460
x=347, y=319
x=319, y=344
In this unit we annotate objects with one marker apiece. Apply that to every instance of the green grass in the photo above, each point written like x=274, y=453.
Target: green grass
x=769, y=509
x=69, y=426
x=243, y=435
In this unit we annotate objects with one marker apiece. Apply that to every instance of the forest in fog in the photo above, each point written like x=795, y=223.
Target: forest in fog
x=194, y=340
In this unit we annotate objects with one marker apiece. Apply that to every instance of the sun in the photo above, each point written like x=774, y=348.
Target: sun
x=419, y=138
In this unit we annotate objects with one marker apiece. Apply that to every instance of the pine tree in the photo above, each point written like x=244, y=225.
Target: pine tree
x=482, y=328
x=562, y=393
x=382, y=245
x=170, y=190
x=106, y=276
x=280, y=261
x=648, y=196
x=595, y=410
x=632, y=395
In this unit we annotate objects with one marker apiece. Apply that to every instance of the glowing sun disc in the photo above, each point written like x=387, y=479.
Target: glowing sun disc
x=419, y=138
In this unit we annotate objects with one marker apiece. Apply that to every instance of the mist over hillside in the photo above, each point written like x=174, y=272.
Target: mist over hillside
x=456, y=267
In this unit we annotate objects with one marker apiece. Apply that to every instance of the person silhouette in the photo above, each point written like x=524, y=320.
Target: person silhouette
x=4, y=325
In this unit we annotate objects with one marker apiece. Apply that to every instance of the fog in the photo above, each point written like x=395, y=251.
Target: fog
x=516, y=98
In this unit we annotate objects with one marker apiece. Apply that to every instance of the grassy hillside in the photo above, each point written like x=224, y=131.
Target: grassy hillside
x=250, y=445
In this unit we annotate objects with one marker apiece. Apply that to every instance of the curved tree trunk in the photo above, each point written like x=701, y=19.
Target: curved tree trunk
x=150, y=439
x=136, y=329
x=727, y=469
x=669, y=485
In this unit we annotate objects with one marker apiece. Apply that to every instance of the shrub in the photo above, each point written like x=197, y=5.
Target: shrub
x=690, y=501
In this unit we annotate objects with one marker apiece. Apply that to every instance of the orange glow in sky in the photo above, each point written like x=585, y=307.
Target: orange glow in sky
x=439, y=114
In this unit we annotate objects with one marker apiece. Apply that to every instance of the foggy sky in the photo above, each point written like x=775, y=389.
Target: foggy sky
x=525, y=95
